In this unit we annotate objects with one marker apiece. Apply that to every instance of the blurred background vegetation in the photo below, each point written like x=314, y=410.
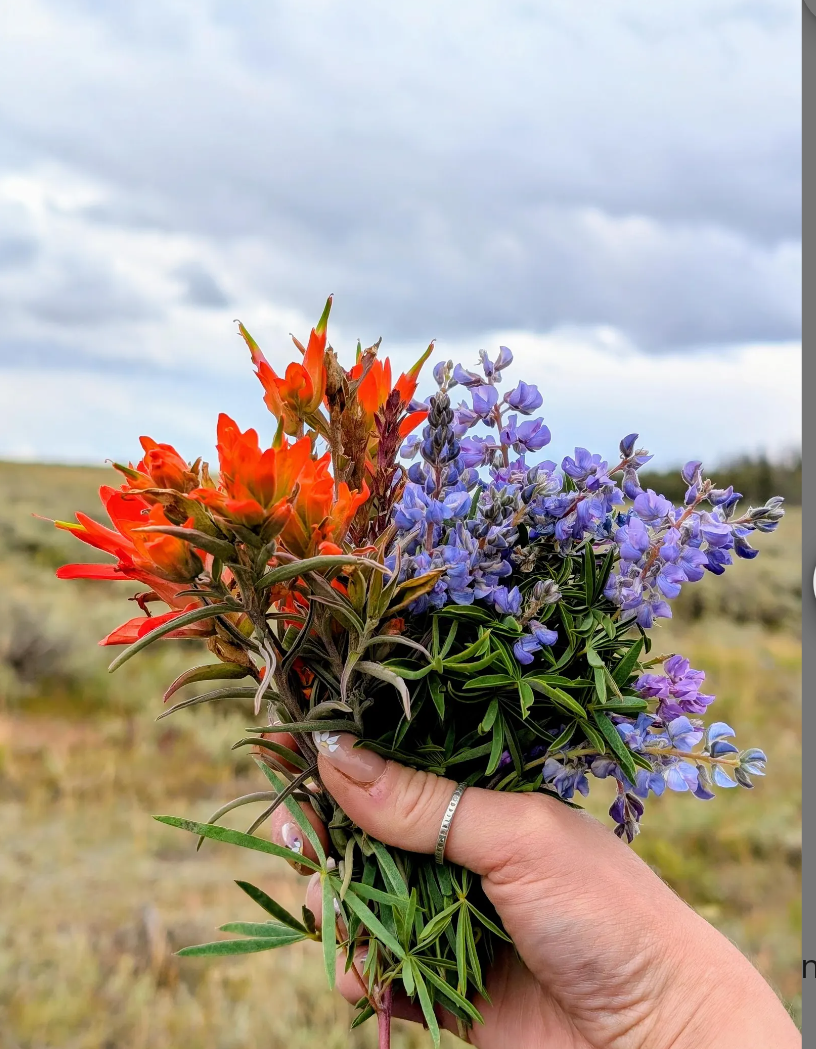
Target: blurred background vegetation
x=101, y=895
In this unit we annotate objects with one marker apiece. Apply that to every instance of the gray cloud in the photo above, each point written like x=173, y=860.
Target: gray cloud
x=444, y=171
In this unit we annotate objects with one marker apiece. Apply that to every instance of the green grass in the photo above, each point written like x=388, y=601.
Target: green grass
x=102, y=895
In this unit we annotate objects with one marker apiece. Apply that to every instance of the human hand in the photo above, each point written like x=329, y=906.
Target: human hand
x=608, y=956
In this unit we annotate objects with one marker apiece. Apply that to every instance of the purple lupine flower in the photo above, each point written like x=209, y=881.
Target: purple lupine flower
x=633, y=540
x=683, y=734
x=651, y=507
x=467, y=378
x=532, y=436
x=409, y=447
x=525, y=398
x=485, y=399
x=508, y=602
x=566, y=778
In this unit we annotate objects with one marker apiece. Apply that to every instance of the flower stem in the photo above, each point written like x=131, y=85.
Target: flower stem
x=384, y=1018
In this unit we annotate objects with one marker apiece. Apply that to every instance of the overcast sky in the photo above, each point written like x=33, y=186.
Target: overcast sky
x=611, y=188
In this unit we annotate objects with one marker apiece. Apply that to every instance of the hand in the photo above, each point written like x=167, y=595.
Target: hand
x=608, y=956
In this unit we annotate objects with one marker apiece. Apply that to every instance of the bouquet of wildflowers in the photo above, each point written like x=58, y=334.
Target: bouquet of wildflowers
x=481, y=613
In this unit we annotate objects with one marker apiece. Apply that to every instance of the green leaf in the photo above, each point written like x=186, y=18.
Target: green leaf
x=437, y=692
x=593, y=658
x=253, y=946
x=623, y=671
x=368, y=892
x=600, y=683
x=616, y=744
x=208, y=672
x=318, y=725
x=594, y=737
x=296, y=812
x=629, y=705
x=488, y=924
x=328, y=930
x=449, y=992
x=407, y=973
x=219, y=548
x=276, y=748
x=373, y=924
x=436, y=926
x=266, y=931
x=376, y=670
x=283, y=573
x=469, y=755
x=427, y=1006
x=270, y=906
x=364, y=1014
x=487, y=681
x=461, y=950
x=565, y=737
x=490, y=717
x=527, y=698
x=240, y=692
x=235, y=837
x=390, y=872
x=558, y=696
x=195, y=615
x=496, y=746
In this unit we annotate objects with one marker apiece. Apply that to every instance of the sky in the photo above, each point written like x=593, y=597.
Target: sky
x=611, y=189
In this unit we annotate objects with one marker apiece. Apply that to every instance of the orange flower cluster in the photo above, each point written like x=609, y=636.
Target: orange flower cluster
x=288, y=493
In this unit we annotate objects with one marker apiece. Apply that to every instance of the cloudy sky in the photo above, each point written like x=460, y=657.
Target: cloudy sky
x=611, y=188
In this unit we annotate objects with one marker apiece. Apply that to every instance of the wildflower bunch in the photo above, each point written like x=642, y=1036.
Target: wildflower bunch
x=414, y=573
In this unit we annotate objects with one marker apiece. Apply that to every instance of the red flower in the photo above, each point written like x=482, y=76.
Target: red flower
x=160, y=467
x=150, y=558
x=255, y=486
x=137, y=628
x=375, y=388
x=319, y=518
x=300, y=392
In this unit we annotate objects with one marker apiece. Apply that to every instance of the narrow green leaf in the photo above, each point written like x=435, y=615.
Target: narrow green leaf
x=461, y=951
x=239, y=692
x=437, y=695
x=389, y=869
x=558, y=696
x=271, y=906
x=594, y=737
x=616, y=744
x=593, y=658
x=488, y=924
x=488, y=681
x=565, y=737
x=373, y=924
x=222, y=947
x=376, y=670
x=427, y=1006
x=195, y=615
x=436, y=926
x=368, y=892
x=364, y=1014
x=449, y=992
x=267, y=744
x=208, y=672
x=490, y=717
x=296, y=812
x=623, y=670
x=219, y=548
x=526, y=697
x=235, y=837
x=283, y=573
x=328, y=930
x=600, y=683
x=266, y=931
x=496, y=746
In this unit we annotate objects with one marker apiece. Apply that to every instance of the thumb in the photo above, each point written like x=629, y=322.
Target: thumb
x=404, y=807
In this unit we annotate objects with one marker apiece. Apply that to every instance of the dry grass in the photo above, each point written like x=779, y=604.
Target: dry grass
x=101, y=895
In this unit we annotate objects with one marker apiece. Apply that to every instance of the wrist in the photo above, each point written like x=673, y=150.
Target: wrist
x=710, y=995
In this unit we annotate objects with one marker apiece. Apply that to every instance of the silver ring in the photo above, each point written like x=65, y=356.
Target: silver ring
x=447, y=819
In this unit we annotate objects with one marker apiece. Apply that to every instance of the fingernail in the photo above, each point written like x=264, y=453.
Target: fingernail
x=363, y=766
x=290, y=836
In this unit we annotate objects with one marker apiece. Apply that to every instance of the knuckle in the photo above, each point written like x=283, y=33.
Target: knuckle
x=418, y=798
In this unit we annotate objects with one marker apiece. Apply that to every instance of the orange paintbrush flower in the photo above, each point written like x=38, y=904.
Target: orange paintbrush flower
x=319, y=518
x=255, y=486
x=375, y=388
x=160, y=467
x=297, y=395
x=150, y=558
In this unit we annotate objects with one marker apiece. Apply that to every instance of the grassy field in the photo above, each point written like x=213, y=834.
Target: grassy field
x=97, y=896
